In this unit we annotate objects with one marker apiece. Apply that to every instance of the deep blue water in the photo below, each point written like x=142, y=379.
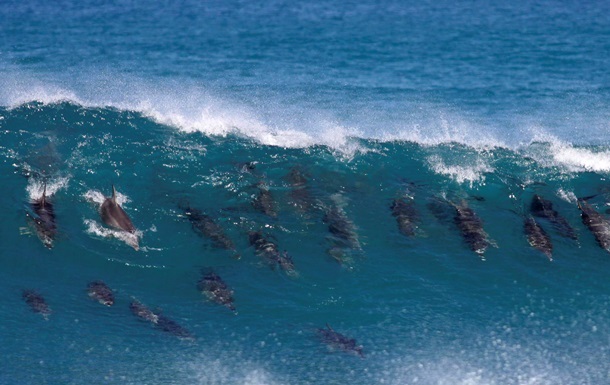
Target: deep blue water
x=446, y=105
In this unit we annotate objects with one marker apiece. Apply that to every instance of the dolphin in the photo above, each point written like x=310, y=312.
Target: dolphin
x=596, y=223
x=213, y=287
x=471, y=227
x=264, y=247
x=343, y=234
x=543, y=208
x=205, y=226
x=300, y=193
x=264, y=201
x=160, y=321
x=537, y=237
x=114, y=216
x=99, y=291
x=337, y=340
x=36, y=302
x=287, y=264
x=170, y=326
x=43, y=219
x=142, y=311
x=270, y=252
x=341, y=227
x=406, y=216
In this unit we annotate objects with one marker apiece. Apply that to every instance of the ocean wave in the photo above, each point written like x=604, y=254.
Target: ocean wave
x=268, y=120
x=191, y=108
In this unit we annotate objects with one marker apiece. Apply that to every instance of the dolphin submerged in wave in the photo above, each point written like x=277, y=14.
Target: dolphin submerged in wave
x=43, y=219
x=596, y=223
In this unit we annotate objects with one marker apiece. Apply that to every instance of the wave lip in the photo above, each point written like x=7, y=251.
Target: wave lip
x=272, y=121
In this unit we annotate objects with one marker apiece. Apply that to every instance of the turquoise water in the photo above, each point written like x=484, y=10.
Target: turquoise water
x=474, y=104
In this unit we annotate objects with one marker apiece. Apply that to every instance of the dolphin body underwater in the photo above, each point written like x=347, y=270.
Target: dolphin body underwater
x=37, y=303
x=336, y=340
x=596, y=223
x=471, y=228
x=537, y=237
x=44, y=219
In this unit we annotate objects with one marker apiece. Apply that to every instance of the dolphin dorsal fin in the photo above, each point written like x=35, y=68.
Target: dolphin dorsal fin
x=113, y=194
x=43, y=200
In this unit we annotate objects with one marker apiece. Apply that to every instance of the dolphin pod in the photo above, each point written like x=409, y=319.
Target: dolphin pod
x=342, y=234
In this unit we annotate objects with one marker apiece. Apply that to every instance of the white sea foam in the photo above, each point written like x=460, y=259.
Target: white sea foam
x=471, y=172
x=454, y=371
x=567, y=196
x=272, y=120
x=556, y=152
x=97, y=197
x=205, y=370
x=36, y=186
x=95, y=228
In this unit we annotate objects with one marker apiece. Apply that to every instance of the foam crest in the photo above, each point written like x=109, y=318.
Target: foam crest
x=272, y=120
x=581, y=159
x=16, y=90
x=555, y=152
x=36, y=187
x=268, y=120
x=470, y=173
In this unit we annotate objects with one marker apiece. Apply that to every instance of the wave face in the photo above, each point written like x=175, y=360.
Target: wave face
x=424, y=303
x=351, y=135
